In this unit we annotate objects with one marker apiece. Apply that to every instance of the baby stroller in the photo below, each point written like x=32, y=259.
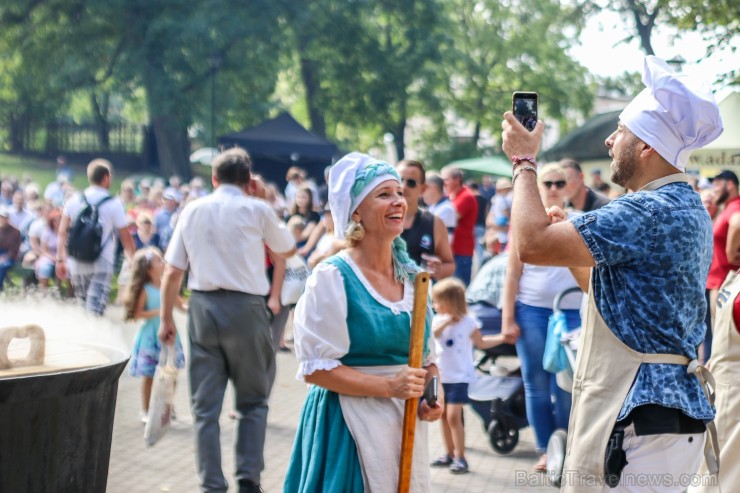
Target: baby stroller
x=499, y=401
x=483, y=297
x=567, y=342
x=497, y=396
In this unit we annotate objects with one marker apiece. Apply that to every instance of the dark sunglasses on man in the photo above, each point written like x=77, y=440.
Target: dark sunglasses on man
x=560, y=184
x=409, y=182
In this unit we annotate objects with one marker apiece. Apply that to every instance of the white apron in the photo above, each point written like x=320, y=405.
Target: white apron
x=376, y=424
x=725, y=365
x=604, y=373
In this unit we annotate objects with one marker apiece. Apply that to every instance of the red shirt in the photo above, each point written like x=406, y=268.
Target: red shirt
x=463, y=239
x=720, y=265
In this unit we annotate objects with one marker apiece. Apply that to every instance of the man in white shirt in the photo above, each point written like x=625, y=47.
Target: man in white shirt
x=92, y=279
x=20, y=217
x=221, y=239
x=54, y=192
x=438, y=203
x=499, y=217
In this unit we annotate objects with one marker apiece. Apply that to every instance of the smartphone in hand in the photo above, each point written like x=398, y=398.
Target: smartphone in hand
x=524, y=107
x=431, y=392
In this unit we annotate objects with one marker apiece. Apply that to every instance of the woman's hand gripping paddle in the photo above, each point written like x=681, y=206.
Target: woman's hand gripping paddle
x=416, y=350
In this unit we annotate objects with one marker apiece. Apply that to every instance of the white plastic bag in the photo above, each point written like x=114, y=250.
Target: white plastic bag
x=162, y=399
x=296, y=273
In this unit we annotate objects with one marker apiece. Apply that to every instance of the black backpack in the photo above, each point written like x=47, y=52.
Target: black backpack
x=85, y=241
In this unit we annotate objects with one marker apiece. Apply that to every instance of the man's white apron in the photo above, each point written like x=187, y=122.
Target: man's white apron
x=604, y=373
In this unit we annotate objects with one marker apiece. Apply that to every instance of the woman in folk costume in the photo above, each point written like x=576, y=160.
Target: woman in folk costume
x=725, y=367
x=351, y=331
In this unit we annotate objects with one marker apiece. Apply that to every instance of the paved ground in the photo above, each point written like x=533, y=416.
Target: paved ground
x=169, y=466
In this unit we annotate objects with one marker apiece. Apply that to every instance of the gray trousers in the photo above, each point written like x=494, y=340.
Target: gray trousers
x=277, y=328
x=230, y=339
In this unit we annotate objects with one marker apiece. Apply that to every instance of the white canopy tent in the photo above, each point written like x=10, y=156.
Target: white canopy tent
x=723, y=153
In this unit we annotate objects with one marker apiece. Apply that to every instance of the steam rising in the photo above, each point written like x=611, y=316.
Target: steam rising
x=64, y=321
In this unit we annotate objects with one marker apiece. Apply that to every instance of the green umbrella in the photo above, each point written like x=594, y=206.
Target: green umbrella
x=489, y=165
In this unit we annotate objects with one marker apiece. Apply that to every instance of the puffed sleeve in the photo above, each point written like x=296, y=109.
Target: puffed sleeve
x=320, y=331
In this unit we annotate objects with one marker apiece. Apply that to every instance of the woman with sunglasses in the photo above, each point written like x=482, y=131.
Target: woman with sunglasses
x=529, y=292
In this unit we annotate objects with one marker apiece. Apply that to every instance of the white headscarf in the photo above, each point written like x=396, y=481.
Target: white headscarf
x=674, y=114
x=351, y=179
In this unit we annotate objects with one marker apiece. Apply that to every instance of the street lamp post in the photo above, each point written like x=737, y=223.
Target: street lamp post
x=677, y=63
x=214, y=61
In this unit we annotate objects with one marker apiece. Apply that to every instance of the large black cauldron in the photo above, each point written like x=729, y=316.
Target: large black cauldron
x=55, y=428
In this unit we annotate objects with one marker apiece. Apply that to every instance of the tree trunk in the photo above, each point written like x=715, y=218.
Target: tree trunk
x=172, y=146
x=480, y=112
x=168, y=118
x=400, y=139
x=312, y=85
x=399, y=132
x=644, y=22
x=100, y=114
x=16, y=124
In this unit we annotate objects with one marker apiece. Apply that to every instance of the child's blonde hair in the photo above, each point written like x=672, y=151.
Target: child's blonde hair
x=294, y=224
x=452, y=292
x=139, y=276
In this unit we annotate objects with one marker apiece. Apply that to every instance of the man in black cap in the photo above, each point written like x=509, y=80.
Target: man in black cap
x=726, y=256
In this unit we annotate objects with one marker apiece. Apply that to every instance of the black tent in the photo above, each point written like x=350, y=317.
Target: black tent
x=276, y=145
x=587, y=141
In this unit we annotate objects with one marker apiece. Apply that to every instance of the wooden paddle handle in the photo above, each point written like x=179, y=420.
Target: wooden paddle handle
x=35, y=354
x=416, y=353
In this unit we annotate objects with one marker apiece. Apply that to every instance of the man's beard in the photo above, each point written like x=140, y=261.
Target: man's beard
x=623, y=168
x=723, y=196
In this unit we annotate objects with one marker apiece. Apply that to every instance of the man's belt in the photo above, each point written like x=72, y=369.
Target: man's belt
x=652, y=419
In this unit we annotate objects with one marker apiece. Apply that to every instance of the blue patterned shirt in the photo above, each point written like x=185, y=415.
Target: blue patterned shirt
x=652, y=252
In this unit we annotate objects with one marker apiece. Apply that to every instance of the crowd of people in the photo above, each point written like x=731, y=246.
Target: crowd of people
x=364, y=233
x=442, y=208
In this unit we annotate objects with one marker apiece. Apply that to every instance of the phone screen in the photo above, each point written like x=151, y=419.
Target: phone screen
x=524, y=106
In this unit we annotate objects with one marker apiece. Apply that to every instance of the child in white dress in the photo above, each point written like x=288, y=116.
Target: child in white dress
x=456, y=333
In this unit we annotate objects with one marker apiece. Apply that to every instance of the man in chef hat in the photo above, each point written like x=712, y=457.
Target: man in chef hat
x=641, y=407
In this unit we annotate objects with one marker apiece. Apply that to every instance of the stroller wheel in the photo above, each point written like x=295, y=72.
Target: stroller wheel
x=556, y=456
x=503, y=438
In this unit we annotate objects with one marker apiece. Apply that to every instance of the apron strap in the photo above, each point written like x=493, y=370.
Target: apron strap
x=668, y=359
x=711, y=445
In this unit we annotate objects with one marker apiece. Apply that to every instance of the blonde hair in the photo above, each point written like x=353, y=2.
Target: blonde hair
x=354, y=234
x=144, y=216
x=98, y=169
x=452, y=292
x=295, y=224
x=551, y=168
x=140, y=265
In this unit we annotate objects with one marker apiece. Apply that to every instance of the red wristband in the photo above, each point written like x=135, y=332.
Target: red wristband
x=518, y=159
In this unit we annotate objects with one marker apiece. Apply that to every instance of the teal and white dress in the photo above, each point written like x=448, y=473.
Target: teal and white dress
x=346, y=443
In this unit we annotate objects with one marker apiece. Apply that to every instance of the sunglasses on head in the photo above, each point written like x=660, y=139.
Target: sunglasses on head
x=560, y=184
x=410, y=182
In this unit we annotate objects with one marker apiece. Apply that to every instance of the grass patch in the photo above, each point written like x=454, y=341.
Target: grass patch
x=40, y=171
x=43, y=172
